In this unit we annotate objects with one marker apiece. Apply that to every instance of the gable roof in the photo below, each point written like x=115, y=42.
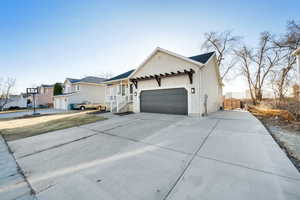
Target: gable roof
x=73, y=80
x=47, y=86
x=194, y=59
x=120, y=76
x=88, y=79
x=92, y=79
x=202, y=58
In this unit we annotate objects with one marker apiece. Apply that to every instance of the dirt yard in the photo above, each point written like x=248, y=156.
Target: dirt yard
x=13, y=129
x=284, y=131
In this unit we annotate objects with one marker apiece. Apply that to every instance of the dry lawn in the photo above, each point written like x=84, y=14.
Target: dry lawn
x=20, y=128
x=284, y=114
x=12, y=111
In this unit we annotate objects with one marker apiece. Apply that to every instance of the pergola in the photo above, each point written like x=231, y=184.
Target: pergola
x=158, y=77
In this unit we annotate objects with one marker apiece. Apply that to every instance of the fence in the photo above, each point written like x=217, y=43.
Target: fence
x=230, y=104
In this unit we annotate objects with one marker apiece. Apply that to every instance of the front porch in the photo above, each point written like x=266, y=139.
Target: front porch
x=119, y=96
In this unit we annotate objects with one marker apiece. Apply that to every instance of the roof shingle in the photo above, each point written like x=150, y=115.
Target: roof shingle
x=121, y=76
x=88, y=79
x=202, y=58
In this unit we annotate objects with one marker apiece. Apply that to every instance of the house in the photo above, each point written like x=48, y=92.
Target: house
x=89, y=89
x=119, y=93
x=44, y=96
x=15, y=101
x=170, y=83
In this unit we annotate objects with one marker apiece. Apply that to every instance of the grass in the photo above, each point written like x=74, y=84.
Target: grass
x=14, y=129
x=20, y=110
x=12, y=111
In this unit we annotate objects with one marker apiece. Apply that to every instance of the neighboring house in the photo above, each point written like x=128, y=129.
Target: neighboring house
x=119, y=93
x=19, y=101
x=44, y=96
x=89, y=89
x=167, y=82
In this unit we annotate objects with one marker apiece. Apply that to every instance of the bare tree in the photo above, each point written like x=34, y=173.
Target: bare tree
x=285, y=46
x=257, y=63
x=245, y=56
x=224, y=43
x=6, y=86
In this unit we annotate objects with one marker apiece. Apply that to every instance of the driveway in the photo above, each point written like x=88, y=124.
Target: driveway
x=228, y=155
x=29, y=112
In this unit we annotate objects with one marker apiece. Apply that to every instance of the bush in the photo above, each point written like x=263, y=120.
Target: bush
x=57, y=89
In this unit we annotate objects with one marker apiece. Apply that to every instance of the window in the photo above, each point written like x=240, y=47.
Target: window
x=123, y=90
x=131, y=89
x=77, y=88
x=119, y=89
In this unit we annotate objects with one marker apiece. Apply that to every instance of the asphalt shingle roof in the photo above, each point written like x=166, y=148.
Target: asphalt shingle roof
x=73, y=80
x=121, y=76
x=43, y=85
x=202, y=58
x=92, y=79
x=88, y=79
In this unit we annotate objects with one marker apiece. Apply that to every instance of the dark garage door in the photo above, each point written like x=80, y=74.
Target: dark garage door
x=169, y=101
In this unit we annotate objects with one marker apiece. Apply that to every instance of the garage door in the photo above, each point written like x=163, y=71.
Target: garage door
x=169, y=101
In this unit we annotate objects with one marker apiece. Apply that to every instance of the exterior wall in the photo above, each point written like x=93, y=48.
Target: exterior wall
x=61, y=102
x=210, y=86
x=68, y=87
x=164, y=63
x=45, y=96
x=88, y=92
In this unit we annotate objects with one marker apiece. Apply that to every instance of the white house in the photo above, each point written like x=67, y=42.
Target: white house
x=167, y=82
x=89, y=89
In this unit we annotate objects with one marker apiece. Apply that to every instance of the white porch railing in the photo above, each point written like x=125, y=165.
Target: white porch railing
x=118, y=97
x=117, y=103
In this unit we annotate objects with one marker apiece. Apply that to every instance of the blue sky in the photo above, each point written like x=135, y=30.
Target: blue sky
x=45, y=41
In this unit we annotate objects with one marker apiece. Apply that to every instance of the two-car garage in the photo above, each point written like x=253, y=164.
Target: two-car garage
x=173, y=84
x=169, y=101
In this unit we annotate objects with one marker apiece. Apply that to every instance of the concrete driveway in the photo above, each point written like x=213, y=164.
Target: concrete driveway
x=29, y=112
x=228, y=155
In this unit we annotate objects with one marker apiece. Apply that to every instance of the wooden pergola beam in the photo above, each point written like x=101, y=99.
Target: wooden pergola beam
x=158, y=79
x=160, y=76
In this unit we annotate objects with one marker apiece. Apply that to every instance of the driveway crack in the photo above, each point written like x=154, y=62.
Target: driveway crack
x=190, y=161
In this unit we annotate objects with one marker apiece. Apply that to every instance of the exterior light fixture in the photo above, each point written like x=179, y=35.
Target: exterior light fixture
x=193, y=90
x=135, y=93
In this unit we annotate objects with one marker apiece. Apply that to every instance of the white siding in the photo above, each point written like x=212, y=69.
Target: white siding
x=164, y=63
x=88, y=92
x=210, y=86
x=61, y=102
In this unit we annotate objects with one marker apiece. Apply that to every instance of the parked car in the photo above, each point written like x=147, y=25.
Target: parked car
x=88, y=105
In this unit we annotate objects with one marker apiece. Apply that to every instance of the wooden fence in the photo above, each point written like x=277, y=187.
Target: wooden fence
x=230, y=104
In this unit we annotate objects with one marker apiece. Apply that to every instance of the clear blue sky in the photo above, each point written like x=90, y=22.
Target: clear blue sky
x=45, y=41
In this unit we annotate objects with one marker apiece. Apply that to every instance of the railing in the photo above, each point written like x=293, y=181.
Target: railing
x=117, y=103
